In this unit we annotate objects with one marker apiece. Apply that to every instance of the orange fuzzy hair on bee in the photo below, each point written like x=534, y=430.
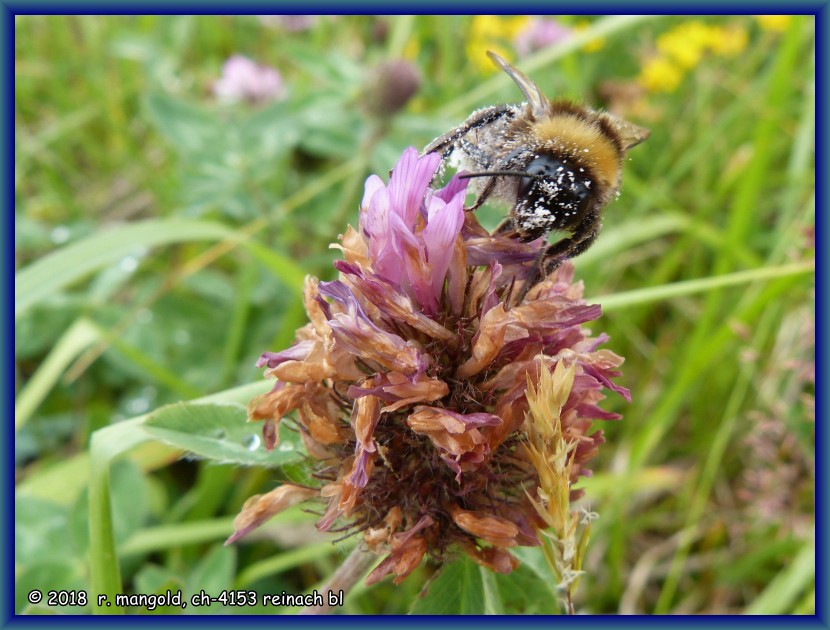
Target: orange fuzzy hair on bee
x=586, y=140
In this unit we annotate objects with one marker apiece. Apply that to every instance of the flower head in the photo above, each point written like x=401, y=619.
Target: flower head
x=540, y=33
x=244, y=80
x=410, y=382
x=290, y=23
x=494, y=33
x=683, y=47
x=776, y=23
x=391, y=85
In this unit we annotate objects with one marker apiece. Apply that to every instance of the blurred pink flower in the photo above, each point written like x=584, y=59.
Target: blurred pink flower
x=540, y=33
x=292, y=23
x=244, y=80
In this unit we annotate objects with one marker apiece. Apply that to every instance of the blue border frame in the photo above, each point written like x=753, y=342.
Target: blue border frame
x=822, y=23
x=819, y=9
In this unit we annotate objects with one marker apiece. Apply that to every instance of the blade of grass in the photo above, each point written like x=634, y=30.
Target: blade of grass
x=33, y=147
x=711, y=468
x=282, y=562
x=689, y=287
x=81, y=335
x=70, y=264
x=750, y=189
x=631, y=233
x=779, y=597
x=246, y=278
x=155, y=539
x=152, y=368
x=105, y=572
x=105, y=446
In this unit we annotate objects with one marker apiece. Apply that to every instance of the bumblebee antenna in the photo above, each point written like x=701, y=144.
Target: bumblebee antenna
x=497, y=174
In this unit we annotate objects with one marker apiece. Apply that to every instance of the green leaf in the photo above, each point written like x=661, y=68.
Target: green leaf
x=153, y=578
x=530, y=588
x=269, y=132
x=220, y=432
x=214, y=573
x=40, y=530
x=54, y=574
x=458, y=590
x=129, y=498
x=187, y=128
x=156, y=580
x=176, y=536
x=283, y=561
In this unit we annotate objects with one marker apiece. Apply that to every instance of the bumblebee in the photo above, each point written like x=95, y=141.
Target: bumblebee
x=558, y=164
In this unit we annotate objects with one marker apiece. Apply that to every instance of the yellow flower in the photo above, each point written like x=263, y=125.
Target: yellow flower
x=729, y=41
x=686, y=56
x=491, y=32
x=696, y=33
x=682, y=48
x=776, y=23
x=685, y=43
x=593, y=45
x=412, y=48
x=660, y=74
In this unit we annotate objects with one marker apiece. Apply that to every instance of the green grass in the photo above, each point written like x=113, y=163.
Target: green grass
x=161, y=240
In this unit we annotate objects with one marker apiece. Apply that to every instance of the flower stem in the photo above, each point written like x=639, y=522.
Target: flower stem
x=343, y=579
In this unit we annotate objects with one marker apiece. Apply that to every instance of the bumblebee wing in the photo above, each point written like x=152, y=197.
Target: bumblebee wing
x=444, y=143
x=533, y=94
x=630, y=134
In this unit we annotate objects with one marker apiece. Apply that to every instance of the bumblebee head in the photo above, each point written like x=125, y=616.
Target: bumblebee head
x=554, y=184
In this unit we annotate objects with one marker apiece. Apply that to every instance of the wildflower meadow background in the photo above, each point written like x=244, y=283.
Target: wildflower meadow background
x=177, y=178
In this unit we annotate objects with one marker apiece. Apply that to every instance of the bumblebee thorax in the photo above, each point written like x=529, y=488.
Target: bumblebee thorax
x=584, y=140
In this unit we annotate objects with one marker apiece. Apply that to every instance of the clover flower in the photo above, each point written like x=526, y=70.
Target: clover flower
x=541, y=33
x=244, y=80
x=410, y=383
x=290, y=23
x=390, y=87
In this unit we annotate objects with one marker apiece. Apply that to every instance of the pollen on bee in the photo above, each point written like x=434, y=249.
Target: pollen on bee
x=584, y=140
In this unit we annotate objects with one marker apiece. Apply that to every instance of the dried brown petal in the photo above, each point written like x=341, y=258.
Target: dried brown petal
x=353, y=246
x=260, y=508
x=488, y=343
x=493, y=558
x=495, y=530
x=408, y=550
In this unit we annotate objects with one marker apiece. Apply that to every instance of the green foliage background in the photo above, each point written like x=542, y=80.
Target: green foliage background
x=161, y=241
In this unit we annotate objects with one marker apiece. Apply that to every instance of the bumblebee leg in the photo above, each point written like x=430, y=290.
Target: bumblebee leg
x=559, y=252
x=556, y=253
x=483, y=195
x=505, y=227
x=479, y=156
